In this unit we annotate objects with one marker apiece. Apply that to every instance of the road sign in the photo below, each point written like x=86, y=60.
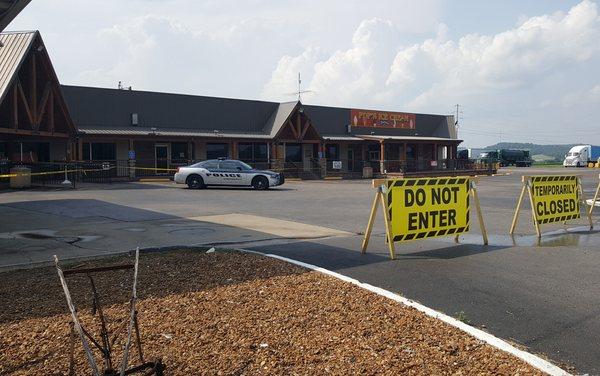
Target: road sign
x=554, y=198
x=424, y=208
x=427, y=208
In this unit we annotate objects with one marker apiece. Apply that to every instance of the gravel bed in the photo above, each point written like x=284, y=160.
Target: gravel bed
x=229, y=313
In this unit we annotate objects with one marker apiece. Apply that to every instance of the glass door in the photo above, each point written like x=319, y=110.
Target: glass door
x=350, y=159
x=161, y=154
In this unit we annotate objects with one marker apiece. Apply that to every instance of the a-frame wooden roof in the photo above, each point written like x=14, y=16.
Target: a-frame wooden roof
x=31, y=99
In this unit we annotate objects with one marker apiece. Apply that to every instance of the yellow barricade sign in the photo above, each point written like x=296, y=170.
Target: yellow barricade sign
x=423, y=208
x=593, y=201
x=427, y=208
x=554, y=198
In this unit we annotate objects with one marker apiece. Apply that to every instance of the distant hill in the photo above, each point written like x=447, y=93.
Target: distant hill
x=548, y=152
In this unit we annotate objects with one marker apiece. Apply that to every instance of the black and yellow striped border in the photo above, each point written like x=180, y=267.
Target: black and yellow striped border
x=536, y=179
x=559, y=219
x=429, y=182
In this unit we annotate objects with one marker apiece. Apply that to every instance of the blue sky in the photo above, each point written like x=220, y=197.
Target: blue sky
x=523, y=71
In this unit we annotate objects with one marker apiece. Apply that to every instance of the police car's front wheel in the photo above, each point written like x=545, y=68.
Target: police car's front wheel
x=260, y=182
x=195, y=182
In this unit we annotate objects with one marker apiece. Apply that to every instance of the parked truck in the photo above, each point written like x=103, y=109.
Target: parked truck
x=507, y=157
x=581, y=155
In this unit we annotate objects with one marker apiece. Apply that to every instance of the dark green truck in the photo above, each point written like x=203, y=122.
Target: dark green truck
x=507, y=157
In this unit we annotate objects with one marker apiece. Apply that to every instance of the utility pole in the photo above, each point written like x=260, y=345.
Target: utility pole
x=456, y=118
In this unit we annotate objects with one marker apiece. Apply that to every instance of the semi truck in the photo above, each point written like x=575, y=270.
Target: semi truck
x=507, y=157
x=581, y=155
x=470, y=153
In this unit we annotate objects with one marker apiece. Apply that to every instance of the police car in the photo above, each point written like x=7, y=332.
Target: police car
x=226, y=172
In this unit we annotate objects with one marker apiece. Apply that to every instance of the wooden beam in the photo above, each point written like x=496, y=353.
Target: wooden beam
x=33, y=93
x=43, y=107
x=15, y=107
x=306, y=125
x=63, y=106
x=299, y=126
x=381, y=157
x=51, y=112
x=80, y=150
x=25, y=104
x=291, y=126
x=26, y=132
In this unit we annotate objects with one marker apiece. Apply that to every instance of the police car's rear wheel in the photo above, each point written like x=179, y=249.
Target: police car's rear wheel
x=260, y=182
x=195, y=182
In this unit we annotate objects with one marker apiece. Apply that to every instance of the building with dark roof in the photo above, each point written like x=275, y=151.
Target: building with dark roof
x=41, y=120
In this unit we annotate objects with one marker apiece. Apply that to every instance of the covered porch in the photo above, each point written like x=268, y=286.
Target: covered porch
x=396, y=156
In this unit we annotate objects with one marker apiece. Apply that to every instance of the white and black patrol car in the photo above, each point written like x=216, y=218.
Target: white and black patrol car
x=226, y=172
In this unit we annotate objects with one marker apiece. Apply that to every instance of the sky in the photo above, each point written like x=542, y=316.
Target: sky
x=521, y=71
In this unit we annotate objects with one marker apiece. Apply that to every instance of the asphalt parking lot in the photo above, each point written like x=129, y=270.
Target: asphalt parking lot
x=543, y=296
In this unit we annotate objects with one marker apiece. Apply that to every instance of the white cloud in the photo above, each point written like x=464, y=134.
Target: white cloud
x=438, y=70
x=499, y=77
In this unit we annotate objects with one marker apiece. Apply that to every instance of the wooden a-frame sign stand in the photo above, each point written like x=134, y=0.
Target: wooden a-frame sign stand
x=526, y=181
x=381, y=199
x=594, y=200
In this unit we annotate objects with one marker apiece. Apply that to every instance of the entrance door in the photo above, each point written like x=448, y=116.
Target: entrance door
x=308, y=155
x=161, y=160
x=350, y=159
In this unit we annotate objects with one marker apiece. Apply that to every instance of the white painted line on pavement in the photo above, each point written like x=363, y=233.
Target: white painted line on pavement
x=533, y=360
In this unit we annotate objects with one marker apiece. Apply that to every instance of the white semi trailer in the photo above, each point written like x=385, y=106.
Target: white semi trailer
x=581, y=155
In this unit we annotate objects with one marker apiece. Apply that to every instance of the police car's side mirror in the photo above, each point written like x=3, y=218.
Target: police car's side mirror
x=239, y=168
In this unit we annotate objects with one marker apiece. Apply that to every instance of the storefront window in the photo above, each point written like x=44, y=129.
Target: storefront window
x=214, y=151
x=245, y=152
x=411, y=151
x=252, y=151
x=179, y=151
x=99, y=151
x=332, y=152
x=293, y=153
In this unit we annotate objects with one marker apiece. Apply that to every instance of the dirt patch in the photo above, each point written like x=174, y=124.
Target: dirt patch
x=235, y=313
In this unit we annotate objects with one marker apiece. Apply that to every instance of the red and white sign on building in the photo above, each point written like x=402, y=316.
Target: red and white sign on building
x=381, y=119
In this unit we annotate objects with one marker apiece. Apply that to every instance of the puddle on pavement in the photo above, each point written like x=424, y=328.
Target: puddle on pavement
x=194, y=231
x=33, y=235
x=135, y=229
x=47, y=235
x=578, y=236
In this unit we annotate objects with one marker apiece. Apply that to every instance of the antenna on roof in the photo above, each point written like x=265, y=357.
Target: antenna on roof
x=121, y=87
x=300, y=91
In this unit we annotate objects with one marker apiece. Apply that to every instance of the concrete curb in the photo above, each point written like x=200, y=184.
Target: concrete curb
x=531, y=359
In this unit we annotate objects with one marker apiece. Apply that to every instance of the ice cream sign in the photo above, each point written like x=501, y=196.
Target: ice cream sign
x=380, y=119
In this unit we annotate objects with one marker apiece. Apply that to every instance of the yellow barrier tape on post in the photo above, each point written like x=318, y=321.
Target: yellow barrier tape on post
x=555, y=198
x=47, y=173
x=11, y=175
x=427, y=208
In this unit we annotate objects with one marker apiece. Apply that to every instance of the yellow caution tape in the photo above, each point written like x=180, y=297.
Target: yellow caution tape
x=12, y=175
